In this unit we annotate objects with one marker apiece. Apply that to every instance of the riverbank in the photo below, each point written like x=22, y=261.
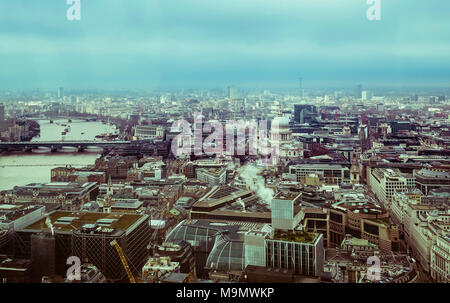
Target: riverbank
x=19, y=168
x=13, y=130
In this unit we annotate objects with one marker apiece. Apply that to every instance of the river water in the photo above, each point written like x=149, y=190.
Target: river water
x=26, y=168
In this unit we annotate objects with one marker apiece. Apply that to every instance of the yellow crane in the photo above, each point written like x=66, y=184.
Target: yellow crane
x=124, y=261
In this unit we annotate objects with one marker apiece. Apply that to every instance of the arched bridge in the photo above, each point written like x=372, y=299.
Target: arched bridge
x=55, y=145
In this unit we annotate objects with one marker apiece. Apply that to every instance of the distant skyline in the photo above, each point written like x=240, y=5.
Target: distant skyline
x=247, y=43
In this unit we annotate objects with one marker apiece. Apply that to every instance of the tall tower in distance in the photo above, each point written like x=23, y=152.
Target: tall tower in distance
x=2, y=112
x=232, y=92
x=302, y=91
x=358, y=91
x=60, y=92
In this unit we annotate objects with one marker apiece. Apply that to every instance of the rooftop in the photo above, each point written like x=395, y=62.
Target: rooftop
x=357, y=242
x=388, y=172
x=428, y=173
x=136, y=204
x=230, y=229
x=223, y=191
x=286, y=196
x=319, y=166
x=212, y=171
x=54, y=188
x=65, y=221
x=12, y=212
x=14, y=264
x=220, y=195
x=295, y=236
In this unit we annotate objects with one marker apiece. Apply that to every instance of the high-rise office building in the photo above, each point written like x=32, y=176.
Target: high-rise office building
x=304, y=113
x=2, y=112
x=60, y=92
x=302, y=91
x=297, y=251
x=358, y=91
x=283, y=214
x=232, y=92
x=286, y=248
x=366, y=95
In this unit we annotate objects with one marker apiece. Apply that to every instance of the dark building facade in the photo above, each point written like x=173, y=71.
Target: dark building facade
x=302, y=258
x=304, y=113
x=179, y=251
x=87, y=235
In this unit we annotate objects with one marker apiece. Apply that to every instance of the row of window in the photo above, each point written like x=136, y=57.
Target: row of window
x=291, y=256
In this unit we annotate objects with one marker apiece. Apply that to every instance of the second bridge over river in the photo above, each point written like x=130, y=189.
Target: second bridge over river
x=62, y=146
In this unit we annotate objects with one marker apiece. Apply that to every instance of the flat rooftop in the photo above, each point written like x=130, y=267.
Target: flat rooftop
x=54, y=188
x=295, y=236
x=428, y=173
x=14, y=264
x=286, y=196
x=389, y=172
x=212, y=171
x=220, y=195
x=12, y=212
x=319, y=166
x=357, y=242
x=66, y=221
x=247, y=214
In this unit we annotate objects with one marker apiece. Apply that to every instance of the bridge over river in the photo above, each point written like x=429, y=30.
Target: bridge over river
x=62, y=145
x=43, y=165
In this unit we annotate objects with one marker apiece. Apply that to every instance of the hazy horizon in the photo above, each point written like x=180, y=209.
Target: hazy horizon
x=199, y=44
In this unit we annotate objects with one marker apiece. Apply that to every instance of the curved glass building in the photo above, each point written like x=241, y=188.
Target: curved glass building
x=217, y=245
x=226, y=255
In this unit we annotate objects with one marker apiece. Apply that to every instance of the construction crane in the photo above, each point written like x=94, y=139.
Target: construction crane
x=124, y=261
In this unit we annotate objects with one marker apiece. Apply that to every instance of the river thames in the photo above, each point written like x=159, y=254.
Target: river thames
x=25, y=168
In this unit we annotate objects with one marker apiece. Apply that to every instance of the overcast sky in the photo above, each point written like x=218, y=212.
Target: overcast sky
x=204, y=43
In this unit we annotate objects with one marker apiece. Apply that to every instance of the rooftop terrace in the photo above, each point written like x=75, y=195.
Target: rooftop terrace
x=295, y=236
x=65, y=221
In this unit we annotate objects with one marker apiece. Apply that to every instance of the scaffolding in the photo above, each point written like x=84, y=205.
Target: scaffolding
x=3, y=238
x=17, y=245
x=91, y=247
x=95, y=247
x=89, y=239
